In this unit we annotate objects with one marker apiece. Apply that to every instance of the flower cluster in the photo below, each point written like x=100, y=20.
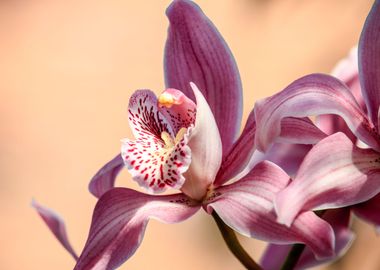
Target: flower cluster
x=265, y=182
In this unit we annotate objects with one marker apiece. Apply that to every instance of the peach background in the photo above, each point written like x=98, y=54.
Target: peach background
x=67, y=69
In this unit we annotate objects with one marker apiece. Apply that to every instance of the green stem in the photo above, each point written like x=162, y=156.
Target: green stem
x=233, y=244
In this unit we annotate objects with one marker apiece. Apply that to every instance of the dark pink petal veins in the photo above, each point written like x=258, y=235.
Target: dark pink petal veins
x=369, y=62
x=312, y=95
x=196, y=52
x=56, y=226
x=119, y=221
x=335, y=173
x=158, y=157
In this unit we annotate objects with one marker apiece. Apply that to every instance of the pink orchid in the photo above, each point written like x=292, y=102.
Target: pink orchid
x=187, y=140
x=335, y=173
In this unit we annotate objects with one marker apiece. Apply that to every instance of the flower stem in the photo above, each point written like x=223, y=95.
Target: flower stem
x=296, y=251
x=233, y=244
x=293, y=257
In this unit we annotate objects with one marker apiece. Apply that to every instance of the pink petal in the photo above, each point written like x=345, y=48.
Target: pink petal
x=240, y=154
x=291, y=128
x=154, y=163
x=105, y=178
x=119, y=221
x=311, y=95
x=181, y=110
x=369, y=62
x=335, y=173
x=275, y=255
x=348, y=72
x=196, y=52
x=247, y=207
x=56, y=226
x=206, y=150
x=369, y=210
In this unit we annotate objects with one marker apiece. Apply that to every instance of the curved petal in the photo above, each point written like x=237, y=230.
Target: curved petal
x=240, y=154
x=369, y=210
x=56, y=226
x=247, y=207
x=119, y=221
x=343, y=240
x=105, y=178
x=347, y=71
x=206, y=150
x=311, y=95
x=196, y=52
x=299, y=131
x=158, y=157
x=335, y=173
x=369, y=61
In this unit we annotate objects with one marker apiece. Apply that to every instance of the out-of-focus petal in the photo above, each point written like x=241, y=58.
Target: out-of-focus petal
x=158, y=157
x=56, y=226
x=196, y=52
x=275, y=255
x=105, y=178
x=119, y=221
x=369, y=210
x=311, y=95
x=240, y=154
x=206, y=150
x=335, y=173
x=247, y=207
x=369, y=61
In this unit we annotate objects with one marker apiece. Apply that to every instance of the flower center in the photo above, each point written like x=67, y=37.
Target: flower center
x=167, y=100
x=170, y=141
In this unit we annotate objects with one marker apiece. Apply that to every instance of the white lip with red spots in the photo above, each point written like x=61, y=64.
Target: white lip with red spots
x=159, y=155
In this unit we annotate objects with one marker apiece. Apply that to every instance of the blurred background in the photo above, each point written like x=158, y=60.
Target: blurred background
x=67, y=69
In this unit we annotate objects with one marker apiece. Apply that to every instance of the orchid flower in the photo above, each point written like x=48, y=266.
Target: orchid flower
x=335, y=173
x=186, y=140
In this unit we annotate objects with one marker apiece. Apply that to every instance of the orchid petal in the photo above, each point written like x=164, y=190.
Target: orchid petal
x=196, y=52
x=119, y=221
x=275, y=255
x=158, y=157
x=369, y=61
x=247, y=207
x=56, y=226
x=369, y=210
x=291, y=128
x=105, y=178
x=335, y=173
x=311, y=95
x=206, y=150
x=240, y=154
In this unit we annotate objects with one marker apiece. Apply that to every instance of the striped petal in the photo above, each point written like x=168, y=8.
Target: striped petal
x=335, y=173
x=119, y=221
x=247, y=207
x=369, y=61
x=105, y=178
x=311, y=95
x=275, y=255
x=158, y=157
x=196, y=52
x=56, y=225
